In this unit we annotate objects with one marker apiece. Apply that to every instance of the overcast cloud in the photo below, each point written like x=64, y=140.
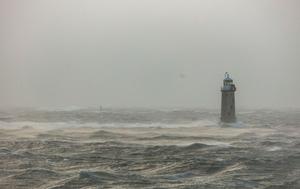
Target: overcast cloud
x=149, y=53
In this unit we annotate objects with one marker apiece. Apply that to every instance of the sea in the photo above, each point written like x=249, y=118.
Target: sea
x=149, y=148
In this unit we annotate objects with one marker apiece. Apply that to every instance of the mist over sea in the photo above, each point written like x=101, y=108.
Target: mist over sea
x=148, y=148
x=149, y=53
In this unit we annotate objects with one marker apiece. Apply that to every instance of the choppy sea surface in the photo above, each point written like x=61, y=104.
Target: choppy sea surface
x=149, y=148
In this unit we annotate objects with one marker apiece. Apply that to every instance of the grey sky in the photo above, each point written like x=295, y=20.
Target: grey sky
x=149, y=53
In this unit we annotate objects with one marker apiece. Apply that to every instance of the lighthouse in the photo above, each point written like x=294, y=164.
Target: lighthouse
x=228, y=101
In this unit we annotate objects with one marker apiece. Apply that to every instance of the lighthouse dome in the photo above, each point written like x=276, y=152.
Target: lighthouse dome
x=227, y=78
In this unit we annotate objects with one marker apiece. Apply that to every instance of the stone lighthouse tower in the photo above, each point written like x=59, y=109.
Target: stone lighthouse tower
x=228, y=101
